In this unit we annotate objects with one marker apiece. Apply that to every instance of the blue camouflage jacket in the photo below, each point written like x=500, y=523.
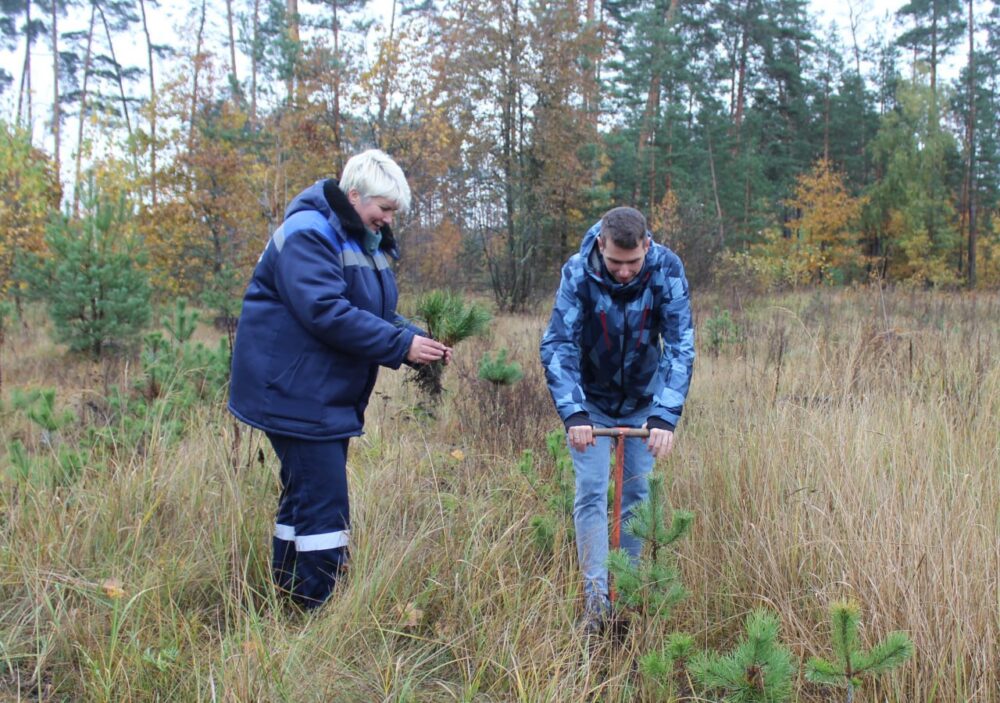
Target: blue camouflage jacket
x=620, y=347
x=318, y=319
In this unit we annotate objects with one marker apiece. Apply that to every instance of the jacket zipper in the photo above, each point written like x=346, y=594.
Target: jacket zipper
x=624, y=340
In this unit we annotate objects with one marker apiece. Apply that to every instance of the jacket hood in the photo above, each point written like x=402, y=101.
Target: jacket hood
x=326, y=197
x=593, y=263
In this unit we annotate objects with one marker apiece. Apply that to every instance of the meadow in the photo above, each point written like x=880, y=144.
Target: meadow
x=836, y=443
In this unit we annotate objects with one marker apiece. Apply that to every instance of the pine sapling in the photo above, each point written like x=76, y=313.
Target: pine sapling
x=758, y=670
x=850, y=662
x=449, y=320
x=662, y=669
x=498, y=371
x=182, y=323
x=62, y=464
x=653, y=583
x=555, y=491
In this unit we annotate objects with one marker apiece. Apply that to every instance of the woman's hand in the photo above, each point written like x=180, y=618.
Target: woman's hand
x=424, y=350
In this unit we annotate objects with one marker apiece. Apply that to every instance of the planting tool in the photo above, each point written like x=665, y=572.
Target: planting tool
x=619, y=433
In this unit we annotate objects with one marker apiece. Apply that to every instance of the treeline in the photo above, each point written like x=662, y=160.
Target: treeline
x=760, y=147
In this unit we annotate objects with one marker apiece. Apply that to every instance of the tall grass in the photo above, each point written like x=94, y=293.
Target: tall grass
x=842, y=444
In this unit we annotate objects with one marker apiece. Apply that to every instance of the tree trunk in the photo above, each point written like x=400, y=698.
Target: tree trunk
x=56, y=113
x=26, y=70
x=383, y=96
x=232, y=41
x=194, y=84
x=590, y=86
x=741, y=77
x=83, y=109
x=253, y=62
x=118, y=71
x=653, y=101
x=934, y=59
x=715, y=189
x=152, y=105
x=972, y=151
x=292, y=9
x=336, y=80
x=826, y=118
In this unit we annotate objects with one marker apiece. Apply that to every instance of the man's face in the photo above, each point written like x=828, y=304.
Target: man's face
x=623, y=264
x=374, y=212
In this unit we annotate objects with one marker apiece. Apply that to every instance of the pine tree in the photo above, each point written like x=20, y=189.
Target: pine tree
x=449, y=320
x=498, y=371
x=95, y=290
x=758, y=670
x=653, y=584
x=851, y=663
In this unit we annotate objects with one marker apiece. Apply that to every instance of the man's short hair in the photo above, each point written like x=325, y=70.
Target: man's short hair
x=624, y=226
x=375, y=175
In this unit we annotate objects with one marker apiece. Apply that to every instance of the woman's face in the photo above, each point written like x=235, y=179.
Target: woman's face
x=375, y=211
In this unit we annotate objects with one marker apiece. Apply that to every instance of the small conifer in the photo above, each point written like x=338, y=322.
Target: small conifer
x=449, y=320
x=653, y=583
x=758, y=670
x=498, y=371
x=851, y=662
x=93, y=284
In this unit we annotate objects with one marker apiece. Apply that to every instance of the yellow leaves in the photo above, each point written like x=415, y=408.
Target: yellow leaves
x=825, y=235
x=665, y=219
x=112, y=588
x=29, y=193
x=457, y=454
x=409, y=616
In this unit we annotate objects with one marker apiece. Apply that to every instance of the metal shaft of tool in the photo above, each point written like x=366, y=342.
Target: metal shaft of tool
x=619, y=433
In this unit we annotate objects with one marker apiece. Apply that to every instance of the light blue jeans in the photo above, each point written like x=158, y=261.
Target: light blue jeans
x=590, y=506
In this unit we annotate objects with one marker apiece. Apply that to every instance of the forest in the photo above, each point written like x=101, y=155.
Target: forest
x=826, y=527
x=761, y=147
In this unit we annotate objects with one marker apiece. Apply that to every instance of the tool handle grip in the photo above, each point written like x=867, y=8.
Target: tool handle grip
x=617, y=431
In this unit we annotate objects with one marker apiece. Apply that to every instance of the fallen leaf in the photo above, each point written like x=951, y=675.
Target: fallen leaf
x=409, y=616
x=113, y=589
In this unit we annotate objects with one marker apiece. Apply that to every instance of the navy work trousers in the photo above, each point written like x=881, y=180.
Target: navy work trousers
x=312, y=527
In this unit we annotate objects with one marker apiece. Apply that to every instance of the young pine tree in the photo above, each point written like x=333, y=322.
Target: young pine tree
x=96, y=292
x=449, y=320
x=653, y=584
x=758, y=670
x=851, y=663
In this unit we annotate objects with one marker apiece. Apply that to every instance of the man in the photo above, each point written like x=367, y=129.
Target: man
x=319, y=318
x=618, y=352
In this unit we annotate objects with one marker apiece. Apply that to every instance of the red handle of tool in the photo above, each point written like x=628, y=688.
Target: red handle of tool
x=616, y=523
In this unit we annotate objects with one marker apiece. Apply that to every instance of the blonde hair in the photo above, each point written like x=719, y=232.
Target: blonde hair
x=374, y=175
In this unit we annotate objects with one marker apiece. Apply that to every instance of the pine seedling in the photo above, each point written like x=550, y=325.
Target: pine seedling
x=850, y=662
x=661, y=669
x=40, y=407
x=94, y=284
x=498, y=371
x=449, y=320
x=561, y=499
x=182, y=323
x=556, y=492
x=758, y=670
x=20, y=462
x=653, y=583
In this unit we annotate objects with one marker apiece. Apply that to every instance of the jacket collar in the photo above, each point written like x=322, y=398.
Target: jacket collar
x=349, y=220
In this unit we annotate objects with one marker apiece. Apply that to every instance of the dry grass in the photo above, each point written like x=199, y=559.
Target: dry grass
x=848, y=445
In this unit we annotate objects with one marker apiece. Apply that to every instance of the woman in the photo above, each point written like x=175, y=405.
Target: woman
x=319, y=318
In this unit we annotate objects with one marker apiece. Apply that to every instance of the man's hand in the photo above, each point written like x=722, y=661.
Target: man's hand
x=424, y=350
x=660, y=442
x=581, y=437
